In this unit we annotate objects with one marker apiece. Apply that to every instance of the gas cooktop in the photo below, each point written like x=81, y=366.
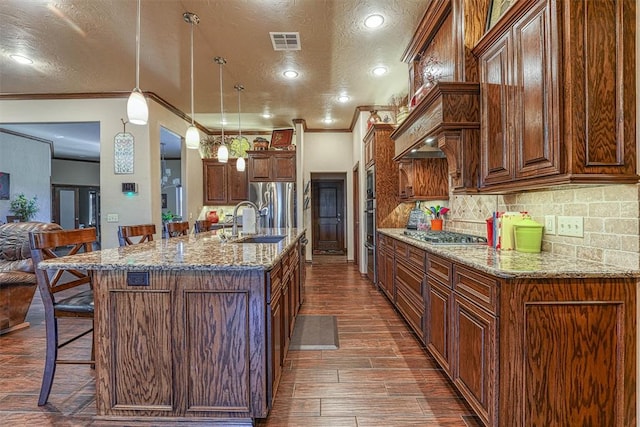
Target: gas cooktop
x=446, y=237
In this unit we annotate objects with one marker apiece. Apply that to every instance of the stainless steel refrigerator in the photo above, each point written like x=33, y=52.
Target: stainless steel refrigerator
x=276, y=201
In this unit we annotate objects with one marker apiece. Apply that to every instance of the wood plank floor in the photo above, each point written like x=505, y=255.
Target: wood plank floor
x=380, y=375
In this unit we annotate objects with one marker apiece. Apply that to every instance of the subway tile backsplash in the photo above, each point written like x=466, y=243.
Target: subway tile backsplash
x=611, y=219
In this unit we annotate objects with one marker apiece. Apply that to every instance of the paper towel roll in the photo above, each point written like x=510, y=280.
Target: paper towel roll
x=248, y=220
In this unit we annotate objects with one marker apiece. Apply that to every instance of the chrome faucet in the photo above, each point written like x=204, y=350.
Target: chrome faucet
x=234, y=229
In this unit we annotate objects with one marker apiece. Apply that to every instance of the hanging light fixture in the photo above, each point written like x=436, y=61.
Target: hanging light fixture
x=240, y=164
x=192, y=137
x=223, y=151
x=137, y=108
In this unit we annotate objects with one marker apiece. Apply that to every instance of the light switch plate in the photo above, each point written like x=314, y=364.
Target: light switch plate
x=571, y=226
x=549, y=224
x=112, y=218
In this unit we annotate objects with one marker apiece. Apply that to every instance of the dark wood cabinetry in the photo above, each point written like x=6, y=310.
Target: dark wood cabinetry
x=422, y=179
x=267, y=166
x=386, y=266
x=555, y=98
x=385, y=173
x=222, y=183
x=438, y=311
x=520, y=350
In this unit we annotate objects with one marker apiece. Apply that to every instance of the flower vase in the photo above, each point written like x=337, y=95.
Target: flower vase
x=213, y=217
x=436, y=224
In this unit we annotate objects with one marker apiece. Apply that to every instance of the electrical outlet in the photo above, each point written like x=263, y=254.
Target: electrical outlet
x=570, y=226
x=549, y=224
x=112, y=218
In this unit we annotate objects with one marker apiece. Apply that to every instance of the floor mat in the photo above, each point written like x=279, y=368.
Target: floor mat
x=315, y=333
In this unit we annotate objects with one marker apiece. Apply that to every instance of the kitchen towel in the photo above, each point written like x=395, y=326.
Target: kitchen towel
x=248, y=220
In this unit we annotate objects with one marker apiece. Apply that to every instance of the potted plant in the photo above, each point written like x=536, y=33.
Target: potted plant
x=436, y=213
x=24, y=208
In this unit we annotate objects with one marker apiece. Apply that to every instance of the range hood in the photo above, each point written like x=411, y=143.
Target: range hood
x=427, y=149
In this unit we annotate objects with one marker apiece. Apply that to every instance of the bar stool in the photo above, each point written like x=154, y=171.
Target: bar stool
x=175, y=229
x=202, y=226
x=145, y=233
x=53, y=244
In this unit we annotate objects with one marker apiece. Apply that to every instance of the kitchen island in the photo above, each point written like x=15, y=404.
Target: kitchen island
x=527, y=339
x=192, y=329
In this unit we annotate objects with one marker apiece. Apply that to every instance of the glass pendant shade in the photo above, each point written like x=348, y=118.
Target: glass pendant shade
x=192, y=138
x=240, y=164
x=137, y=108
x=223, y=154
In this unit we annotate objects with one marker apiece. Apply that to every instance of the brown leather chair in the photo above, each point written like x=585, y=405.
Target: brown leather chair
x=144, y=233
x=175, y=229
x=202, y=226
x=77, y=299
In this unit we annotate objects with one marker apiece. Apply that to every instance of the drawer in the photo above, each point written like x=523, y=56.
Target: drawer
x=414, y=256
x=477, y=288
x=440, y=269
x=413, y=315
x=385, y=241
x=275, y=282
x=410, y=279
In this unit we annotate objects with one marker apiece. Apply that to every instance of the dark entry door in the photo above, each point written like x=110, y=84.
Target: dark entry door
x=328, y=217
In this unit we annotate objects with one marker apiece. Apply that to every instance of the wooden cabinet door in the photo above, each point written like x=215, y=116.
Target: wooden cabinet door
x=215, y=182
x=438, y=322
x=238, y=185
x=284, y=166
x=276, y=346
x=496, y=140
x=369, y=153
x=475, y=367
x=536, y=110
x=259, y=167
x=389, y=271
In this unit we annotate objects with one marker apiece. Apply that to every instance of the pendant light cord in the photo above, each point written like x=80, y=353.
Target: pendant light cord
x=192, y=113
x=221, y=61
x=239, y=88
x=138, y=49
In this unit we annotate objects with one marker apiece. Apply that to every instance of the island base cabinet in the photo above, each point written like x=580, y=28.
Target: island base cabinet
x=184, y=345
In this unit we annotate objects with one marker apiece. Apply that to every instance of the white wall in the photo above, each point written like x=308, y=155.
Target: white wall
x=72, y=172
x=330, y=152
x=20, y=157
x=145, y=207
x=359, y=131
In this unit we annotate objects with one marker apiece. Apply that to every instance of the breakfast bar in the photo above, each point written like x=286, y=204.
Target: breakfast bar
x=184, y=327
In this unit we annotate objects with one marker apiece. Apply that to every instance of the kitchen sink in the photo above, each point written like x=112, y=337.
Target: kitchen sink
x=260, y=239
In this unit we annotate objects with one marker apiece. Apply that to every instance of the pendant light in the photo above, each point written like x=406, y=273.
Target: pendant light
x=137, y=108
x=223, y=151
x=240, y=164
x=192, y=137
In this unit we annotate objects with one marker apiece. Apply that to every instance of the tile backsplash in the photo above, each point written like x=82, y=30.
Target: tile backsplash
x=611, y=219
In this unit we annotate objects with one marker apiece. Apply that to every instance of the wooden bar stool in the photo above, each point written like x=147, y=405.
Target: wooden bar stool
x=202, y=225
x=175, y=229
x=73, y=304
x=144, y=232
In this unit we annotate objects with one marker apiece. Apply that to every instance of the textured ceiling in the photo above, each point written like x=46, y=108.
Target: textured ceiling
x=89, y=46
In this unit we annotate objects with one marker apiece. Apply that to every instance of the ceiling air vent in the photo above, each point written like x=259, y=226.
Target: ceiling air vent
x=285, y=41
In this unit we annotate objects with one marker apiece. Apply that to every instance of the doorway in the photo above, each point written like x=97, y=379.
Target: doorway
x=76, y=206
x=328, y=216
x=356, y=214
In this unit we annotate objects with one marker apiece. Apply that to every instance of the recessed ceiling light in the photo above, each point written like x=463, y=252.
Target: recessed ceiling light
x=327, y=120
x=267, y=115
x=343, y=98
x=379, y=71
x=290, y=74
x=373, y=21
x=21, y=59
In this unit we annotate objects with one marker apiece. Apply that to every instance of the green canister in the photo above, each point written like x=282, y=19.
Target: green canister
x=528, y=235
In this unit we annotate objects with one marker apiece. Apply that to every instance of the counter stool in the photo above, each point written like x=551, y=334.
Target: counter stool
x=144, y=232
x=202, y=225
x=175, y=229
x=72, y=304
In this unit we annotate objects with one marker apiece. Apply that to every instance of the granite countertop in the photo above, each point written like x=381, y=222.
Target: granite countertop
x=203, y=251
x=513, y=264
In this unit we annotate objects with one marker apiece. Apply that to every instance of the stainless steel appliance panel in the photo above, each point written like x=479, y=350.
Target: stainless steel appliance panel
x=276, y=201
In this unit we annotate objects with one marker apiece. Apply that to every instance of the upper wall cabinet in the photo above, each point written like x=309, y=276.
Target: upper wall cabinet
x=557, y=82
x=222, y=183
x=266, y=166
